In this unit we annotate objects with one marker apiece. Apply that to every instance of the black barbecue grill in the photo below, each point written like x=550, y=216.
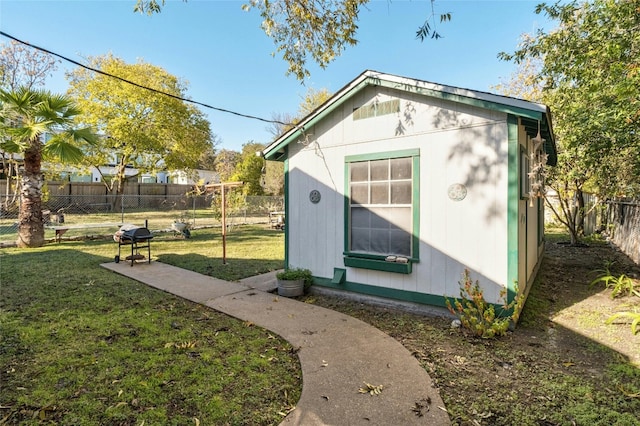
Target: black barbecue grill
x=137, y=238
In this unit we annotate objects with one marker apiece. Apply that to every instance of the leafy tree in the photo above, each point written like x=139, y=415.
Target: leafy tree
x=249, y=169
x=321, y=29
x=25, y=116
x=273, y=178
x=524, y=82
x=141, y=128
x=225, y=164
x=281, y=123
x=312, y=100
x=591, y=76
x=207, y=160
x=20, y=66
x=273, y=175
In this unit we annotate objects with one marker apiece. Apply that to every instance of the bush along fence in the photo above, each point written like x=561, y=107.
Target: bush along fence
x=623, y=226
x=160, y=209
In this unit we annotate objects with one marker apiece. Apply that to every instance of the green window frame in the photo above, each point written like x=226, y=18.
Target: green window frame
x=382, y=200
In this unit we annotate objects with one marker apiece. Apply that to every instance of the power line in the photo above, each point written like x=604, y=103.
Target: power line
x=64, y=58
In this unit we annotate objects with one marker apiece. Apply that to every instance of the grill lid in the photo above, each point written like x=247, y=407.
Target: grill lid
x=137, y=234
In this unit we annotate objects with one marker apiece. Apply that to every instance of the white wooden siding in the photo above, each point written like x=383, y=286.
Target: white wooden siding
x=458, y=144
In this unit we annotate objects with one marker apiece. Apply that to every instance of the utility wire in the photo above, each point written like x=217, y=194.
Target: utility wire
x=141, y=86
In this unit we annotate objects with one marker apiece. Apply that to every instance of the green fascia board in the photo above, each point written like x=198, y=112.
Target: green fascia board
x=454, y=97
x=531, y=118
x=537, y=116
x=313, y=120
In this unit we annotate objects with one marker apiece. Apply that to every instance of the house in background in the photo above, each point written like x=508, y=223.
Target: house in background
x=394, y=186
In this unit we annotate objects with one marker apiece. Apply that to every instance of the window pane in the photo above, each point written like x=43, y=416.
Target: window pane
x=380, y=170
x=359, y=172
x=380, y=241
x=360, y=217
x=380, y=193
x=360, y=240
x=400, y=192
x=378, y=221
x=360, y=193
x=395, y=217
x=401, y=218
x=400, y=243
x=401, y=168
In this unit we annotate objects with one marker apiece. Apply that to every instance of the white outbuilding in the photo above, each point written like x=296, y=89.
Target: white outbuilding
x=394, y=186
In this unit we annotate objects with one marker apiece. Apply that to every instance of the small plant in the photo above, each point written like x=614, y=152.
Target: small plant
x=634, y=316
x=478, y=316
x=620, y=286
x=296, y=274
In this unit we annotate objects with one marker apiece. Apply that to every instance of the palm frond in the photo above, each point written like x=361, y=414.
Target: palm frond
x=61, y=149
x=11, y=146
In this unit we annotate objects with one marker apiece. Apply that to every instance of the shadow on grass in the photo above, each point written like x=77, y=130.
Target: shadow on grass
x=109, y=350
x=233, y=270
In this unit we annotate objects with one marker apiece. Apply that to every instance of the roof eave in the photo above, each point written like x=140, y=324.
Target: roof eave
x=529, y=111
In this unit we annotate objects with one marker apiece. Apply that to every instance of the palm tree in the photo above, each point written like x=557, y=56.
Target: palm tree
x=26, y=115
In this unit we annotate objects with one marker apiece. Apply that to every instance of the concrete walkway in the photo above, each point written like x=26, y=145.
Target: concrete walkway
x=338, y=353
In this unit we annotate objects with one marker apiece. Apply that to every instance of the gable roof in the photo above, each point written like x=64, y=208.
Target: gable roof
x=531, y=114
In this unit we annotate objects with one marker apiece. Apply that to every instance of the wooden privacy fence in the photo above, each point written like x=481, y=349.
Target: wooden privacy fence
x=623, y=219
x=98, y=189
x=89, y=196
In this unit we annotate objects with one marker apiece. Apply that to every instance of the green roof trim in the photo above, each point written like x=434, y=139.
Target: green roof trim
x=533, y=116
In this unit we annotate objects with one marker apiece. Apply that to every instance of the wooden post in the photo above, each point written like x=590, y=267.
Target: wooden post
x=223, y=188
x=223, y=202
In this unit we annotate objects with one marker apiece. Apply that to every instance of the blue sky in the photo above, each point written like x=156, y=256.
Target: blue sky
x=227, y=60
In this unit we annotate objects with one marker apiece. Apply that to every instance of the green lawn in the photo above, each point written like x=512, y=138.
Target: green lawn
x=81, y=345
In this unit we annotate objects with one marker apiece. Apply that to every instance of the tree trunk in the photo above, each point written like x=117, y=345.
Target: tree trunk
x=581, y=212
x=30, y=221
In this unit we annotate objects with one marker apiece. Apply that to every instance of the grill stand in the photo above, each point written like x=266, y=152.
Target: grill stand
x=139, y=238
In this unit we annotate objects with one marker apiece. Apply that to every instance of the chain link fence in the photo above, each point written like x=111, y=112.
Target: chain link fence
x=159, y=210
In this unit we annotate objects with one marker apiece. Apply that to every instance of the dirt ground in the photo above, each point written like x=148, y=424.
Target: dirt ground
x=562, y=365
x=581, y=310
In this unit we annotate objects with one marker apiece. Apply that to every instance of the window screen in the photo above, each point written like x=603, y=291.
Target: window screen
x=380, y=206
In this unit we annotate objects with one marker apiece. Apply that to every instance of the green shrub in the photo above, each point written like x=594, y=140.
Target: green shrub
x=480, y=317
x=296, y=274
